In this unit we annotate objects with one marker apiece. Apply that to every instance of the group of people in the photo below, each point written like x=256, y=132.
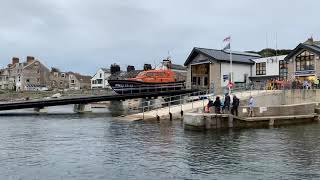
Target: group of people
x=275, y=84
x=227, y=104
x=225, y=107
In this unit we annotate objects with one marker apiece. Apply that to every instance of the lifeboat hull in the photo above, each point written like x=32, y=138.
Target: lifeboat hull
x=132, y=86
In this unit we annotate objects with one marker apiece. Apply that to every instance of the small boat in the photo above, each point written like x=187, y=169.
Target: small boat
x=148, y=81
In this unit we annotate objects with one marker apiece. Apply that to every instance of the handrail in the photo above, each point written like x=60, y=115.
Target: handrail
x=154, y=87
x=183, y=98
x=189, y=97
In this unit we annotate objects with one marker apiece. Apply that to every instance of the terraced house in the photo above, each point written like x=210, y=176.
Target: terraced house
x=4, y=79
x=27, y=76
x=78, y=81
x=58, y=79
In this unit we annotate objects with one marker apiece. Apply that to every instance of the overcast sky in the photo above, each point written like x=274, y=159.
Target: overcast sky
x=83, y=35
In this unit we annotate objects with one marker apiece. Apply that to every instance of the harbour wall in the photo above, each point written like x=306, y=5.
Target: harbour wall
x=285, y=97
x=280, y=108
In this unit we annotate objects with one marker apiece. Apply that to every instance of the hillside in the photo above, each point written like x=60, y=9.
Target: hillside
x=271, y=52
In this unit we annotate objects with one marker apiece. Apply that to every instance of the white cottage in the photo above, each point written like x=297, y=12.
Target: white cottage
x=100, y=79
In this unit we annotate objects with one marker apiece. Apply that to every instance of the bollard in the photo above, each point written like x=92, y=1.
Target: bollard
x=181, y=104
x=271, y=122
x=158, y=118
x=170, y=116
x=143, y=111
x=192, y=103
x=181, y=112
x=203, y=104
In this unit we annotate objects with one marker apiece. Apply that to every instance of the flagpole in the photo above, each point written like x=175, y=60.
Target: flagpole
x=231, y=76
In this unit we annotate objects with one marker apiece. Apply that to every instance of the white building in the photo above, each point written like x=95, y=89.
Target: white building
x=265, y=69
x=100, y=79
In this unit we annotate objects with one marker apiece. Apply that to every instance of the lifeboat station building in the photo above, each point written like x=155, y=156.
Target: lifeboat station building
x=210, y=68
x=304, y=61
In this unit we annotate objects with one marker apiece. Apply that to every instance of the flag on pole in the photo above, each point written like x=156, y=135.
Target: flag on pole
x=227, y=39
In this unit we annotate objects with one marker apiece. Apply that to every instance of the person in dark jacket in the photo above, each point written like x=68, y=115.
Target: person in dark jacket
x=235, y=105
x=209, y=105
x=217, y=105
x=226, y=105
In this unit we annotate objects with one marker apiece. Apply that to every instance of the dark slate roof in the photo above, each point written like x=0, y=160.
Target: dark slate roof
x=315, y=48
x=223, y=55
x=106, y=70
x=178, y=67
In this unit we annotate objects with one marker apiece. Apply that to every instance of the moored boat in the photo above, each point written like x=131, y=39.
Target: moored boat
x=148, y=81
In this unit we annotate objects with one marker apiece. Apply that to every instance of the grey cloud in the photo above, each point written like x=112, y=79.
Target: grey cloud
x=84, y=35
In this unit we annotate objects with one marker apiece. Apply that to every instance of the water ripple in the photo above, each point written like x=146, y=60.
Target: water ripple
x=73, y=147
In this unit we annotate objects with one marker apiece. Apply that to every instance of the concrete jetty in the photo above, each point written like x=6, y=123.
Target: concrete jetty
x=175, y=110
x=264, y=117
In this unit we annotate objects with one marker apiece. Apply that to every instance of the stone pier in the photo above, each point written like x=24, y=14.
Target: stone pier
x=264, y=117
x=82, y=108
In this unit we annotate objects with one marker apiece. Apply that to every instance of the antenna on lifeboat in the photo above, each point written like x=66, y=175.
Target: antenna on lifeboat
x=155, y=64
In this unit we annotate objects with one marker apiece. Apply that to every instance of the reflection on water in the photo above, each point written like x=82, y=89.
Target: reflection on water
x=99, y=147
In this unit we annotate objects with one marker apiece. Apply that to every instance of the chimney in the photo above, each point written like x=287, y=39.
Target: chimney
x=15, y=60
x=130, y=68
x=309, y=41
x=30, y=59
x=114, y=68
x=147, y=67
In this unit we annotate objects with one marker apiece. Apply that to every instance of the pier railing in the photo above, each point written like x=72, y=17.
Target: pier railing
x=180, y=100
x=150, y=88
x=177, y=100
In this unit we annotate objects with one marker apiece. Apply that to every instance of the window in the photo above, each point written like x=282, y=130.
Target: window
x=162, y=74
x=283, y=70
x=63, y=75
x=261, y=68
x=99, y=81
x=38, y=80
x=199, y=81
x=100, y=75
x=305, y=61
x=205, y=81
x=38, y=71
x=27, y=80
x=150, y=74
x=194, y=80
x=72, y=81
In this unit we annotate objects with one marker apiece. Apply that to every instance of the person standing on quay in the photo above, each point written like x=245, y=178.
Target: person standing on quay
x=235, y=105
x=226, y=105
x=217, y=105
x=251, y=104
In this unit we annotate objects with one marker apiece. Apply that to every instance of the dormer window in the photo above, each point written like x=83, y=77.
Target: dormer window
x=305, y=61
